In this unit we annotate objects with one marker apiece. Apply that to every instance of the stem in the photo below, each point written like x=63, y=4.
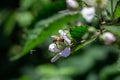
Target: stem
x=112, y=8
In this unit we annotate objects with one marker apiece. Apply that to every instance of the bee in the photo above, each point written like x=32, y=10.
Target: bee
x=57, y=39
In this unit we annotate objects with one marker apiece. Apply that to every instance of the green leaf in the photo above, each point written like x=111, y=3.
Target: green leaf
x=53, y=25
x=26, y=4
x=92, y=76
x=114, y=29
x=86, y=59
x=6, y=13
x=9, y=24
x=112, y=69
x=107, y=71
x=45, y=9
x=78, y=32
x=117, y=11
x=112, y=7
x=24, y=19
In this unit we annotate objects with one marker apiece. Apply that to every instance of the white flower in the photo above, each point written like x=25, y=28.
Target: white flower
x=64, y=36
x=109, y=38
x=88, y=13
x=72, y=4
x=53, y=48
x=64, y=53
x=62, y=47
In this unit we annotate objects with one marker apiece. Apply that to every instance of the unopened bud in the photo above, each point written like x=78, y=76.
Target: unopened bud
x=91, y=29
x=72, y=4
x=108, y=38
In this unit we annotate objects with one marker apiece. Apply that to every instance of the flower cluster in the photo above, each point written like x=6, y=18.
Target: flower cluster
x=60, y=45
x=94, y=8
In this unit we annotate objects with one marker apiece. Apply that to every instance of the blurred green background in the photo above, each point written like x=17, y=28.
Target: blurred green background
x=24, y=26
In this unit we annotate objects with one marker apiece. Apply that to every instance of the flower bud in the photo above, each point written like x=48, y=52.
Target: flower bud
x=91, y=29
x=108, y=38
x=72, y=4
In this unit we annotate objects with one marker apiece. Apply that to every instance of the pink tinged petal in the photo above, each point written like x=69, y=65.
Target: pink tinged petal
x=53, y=48
x=67, y=40
x=109, y=38
x=62, y=33
x=55, y=58
x=64, y=36
x=65, y=52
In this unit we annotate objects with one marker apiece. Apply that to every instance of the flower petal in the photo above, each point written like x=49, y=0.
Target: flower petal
x=64, y=36
x=65, y=52
x=88, y=13
x=72, y=3
x=109, y=38
x=53, y=48
x=55, y=58
x=62, y=33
